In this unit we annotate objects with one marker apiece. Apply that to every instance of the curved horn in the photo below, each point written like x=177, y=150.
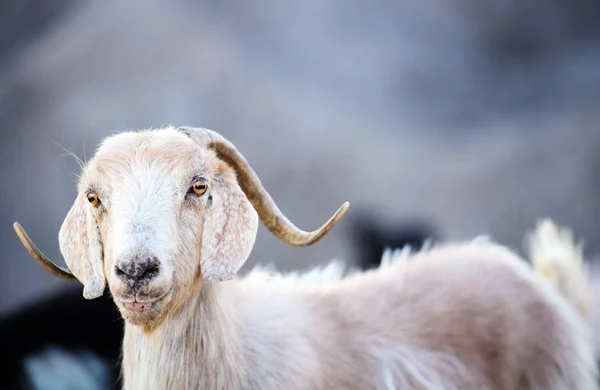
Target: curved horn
x=40, y=257
x=264, y=205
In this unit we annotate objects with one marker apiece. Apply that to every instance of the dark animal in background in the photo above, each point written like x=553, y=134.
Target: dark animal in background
x=371, y=236
x=62, y=342
x=68, y=342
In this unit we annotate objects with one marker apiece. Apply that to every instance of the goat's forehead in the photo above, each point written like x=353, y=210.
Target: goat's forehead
x=166, y=141
x=167, y=151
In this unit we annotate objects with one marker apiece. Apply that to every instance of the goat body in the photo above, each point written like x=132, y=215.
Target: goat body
x=460, y=316
x=167, y=217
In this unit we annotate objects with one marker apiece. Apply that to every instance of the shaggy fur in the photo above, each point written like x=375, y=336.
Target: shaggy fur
x=273, y=331
x=469, y=316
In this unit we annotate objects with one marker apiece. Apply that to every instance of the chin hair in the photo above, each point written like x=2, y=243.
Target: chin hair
x=147, y=320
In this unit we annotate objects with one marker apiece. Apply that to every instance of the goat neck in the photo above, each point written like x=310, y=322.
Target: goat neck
x=197, y=344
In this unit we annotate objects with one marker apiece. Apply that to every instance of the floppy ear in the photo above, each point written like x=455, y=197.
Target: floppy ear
x=229, y=230
x=81, y=245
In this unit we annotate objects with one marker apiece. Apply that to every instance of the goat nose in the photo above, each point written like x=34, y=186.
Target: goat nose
x=145, y=268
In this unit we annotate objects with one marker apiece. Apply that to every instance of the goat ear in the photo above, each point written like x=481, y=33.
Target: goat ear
x=230, y=227
x=81, y=246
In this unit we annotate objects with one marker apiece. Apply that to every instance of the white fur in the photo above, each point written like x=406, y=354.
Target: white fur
x=263, y=324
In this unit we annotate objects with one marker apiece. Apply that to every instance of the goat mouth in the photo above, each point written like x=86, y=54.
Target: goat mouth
x=140, y=307
x=143, y=306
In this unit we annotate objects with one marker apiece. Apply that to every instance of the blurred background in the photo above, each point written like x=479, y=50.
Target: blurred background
x=471, y=116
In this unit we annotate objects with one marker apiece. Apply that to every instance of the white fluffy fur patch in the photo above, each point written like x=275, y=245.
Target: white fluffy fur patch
x=334, y=271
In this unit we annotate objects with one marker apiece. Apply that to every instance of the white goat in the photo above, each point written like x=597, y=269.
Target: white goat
x=167, y=217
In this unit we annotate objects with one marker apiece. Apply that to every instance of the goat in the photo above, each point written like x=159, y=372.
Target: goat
x=167, y=217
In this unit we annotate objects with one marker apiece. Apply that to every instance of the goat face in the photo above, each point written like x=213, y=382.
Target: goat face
x=158, y=213
x=155, y=212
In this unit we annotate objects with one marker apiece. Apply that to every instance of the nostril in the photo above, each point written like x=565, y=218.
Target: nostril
x=120, y=269
x=149, y=273
x=148, y=268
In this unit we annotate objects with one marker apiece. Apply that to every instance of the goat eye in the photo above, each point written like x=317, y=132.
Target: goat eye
x=199, y=187
x=93, y=199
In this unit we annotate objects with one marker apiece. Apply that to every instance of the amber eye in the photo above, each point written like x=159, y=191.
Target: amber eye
x=199, y=187
x=93, y=199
